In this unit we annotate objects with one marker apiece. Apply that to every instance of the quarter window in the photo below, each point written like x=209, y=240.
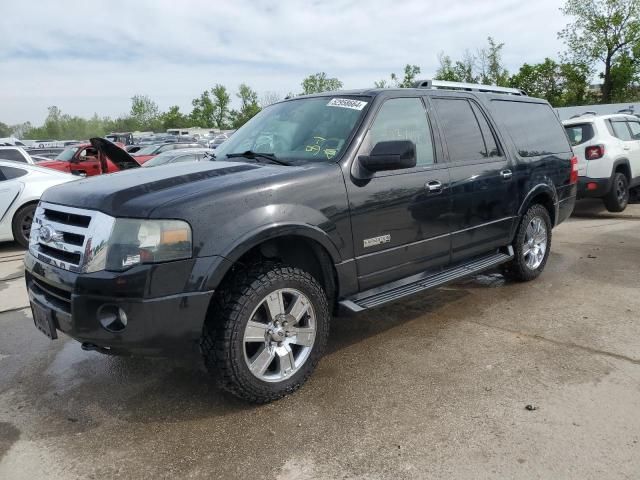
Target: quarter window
x=11, y=172
x=461, y=130
x=13, y=155
x=402, y=119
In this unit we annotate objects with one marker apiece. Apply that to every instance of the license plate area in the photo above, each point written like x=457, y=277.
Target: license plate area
x=43, y=320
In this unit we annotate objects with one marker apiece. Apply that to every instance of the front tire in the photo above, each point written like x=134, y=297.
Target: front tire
x=266, y=331
x=21, y=224
x=617, y=198
x=531, y=246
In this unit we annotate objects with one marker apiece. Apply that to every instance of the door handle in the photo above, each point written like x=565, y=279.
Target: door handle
x=626, y=147
x=506, y=174
x=434, y=186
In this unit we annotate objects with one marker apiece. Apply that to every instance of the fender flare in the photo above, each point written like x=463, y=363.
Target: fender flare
x=261, y=234
x=544, y=189
x=621, y=161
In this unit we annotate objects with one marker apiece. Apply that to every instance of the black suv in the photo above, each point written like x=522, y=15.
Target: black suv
x=343, y=200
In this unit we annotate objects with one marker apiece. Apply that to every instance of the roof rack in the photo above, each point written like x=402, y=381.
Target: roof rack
x=470, y=87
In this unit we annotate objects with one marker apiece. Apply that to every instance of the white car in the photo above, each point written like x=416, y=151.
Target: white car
x=608, y=151
x=21, y=186
x=15, y=153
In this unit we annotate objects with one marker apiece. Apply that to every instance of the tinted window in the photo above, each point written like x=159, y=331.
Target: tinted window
x=579, y=133
x=10, y=172
x=461, y=130
x=620, y=130
x=534, y=127
x=402, y=119
x=635, y=130
x=489, y=139
x=11, y=154
x=184, y=158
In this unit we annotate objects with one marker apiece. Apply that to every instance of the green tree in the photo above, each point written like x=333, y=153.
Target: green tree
x=603, y=32
x=221, y=101
x=248, y=106
x=5, y=130
x=458, y=71
x=492, y=70
x=408, y=79
x=318, y=83
x=202, y=113
x=144, y=112
x=173, y=118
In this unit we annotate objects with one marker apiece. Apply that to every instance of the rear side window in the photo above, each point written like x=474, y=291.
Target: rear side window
x=11, y=154
x=579, y=133
x=534, y=127
x=10, y=172
x=620, y=130
x=461, y=129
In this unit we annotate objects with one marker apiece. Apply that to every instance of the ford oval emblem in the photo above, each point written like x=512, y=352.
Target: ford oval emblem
x=47, y=233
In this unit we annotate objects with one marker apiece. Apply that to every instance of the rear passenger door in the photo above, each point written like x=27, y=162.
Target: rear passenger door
x=483, y=190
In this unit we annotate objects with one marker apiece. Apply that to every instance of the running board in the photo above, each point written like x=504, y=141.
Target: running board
x=422, y=281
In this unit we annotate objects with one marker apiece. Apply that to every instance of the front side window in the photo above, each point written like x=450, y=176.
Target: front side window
x=461, y=130
x=635, y=129
x=402, y=119
x=315, y=129
x=620, y=130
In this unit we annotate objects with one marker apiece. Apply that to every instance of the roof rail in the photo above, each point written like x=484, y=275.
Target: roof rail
x=471, y=87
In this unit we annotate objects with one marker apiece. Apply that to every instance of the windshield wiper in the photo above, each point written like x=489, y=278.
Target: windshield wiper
x=251, y=155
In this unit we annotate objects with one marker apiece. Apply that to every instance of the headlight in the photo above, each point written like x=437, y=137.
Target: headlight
x=134, y=242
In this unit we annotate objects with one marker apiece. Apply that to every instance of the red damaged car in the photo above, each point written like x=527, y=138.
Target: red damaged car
x=87, y=160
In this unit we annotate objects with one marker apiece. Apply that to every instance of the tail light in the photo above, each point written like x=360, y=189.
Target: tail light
x=573, y=178
x=594, y=152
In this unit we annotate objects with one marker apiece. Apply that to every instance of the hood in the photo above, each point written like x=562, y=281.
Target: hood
x=135, y=193
x=116, y=154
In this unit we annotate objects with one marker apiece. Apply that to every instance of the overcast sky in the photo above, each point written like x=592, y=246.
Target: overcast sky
x=92, y=56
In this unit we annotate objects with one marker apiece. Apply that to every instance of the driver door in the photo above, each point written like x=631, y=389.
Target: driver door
x=399, y=218
x=87, y=163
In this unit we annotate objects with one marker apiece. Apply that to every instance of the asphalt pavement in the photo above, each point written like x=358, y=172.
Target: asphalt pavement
x=480, y=379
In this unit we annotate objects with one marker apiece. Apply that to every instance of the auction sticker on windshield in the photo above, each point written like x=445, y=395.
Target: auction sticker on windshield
x=347, y=103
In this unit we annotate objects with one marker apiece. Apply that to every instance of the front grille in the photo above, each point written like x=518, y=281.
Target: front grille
x=66, y=236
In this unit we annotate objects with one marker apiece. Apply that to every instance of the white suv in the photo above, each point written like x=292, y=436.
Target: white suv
x=608, y=151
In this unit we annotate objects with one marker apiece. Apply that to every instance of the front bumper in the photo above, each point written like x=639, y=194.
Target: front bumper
x=164, y=308
x=602, y=187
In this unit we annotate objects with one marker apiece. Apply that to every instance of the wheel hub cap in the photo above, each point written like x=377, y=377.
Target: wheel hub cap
x=535, y=243
x=279, y=335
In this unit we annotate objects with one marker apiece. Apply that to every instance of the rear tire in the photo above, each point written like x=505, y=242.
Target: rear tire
x=266, y=331
x=617, y=198
x=21, y=224
x=532, y=245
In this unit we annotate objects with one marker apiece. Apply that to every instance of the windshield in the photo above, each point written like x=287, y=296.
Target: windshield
x=148, y=150
x=306, y=129
x=66, y=154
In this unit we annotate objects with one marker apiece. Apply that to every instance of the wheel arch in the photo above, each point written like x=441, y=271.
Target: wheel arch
x=302, y=246
x=542, y=194
x=622, y=165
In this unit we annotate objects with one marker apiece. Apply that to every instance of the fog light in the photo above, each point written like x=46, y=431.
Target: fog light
x=592, y=186
x=112, y=318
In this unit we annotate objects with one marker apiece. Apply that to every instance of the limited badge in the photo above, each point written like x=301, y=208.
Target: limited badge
x=372, y=242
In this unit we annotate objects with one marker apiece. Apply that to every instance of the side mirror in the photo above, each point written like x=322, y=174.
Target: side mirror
x=391, y=155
